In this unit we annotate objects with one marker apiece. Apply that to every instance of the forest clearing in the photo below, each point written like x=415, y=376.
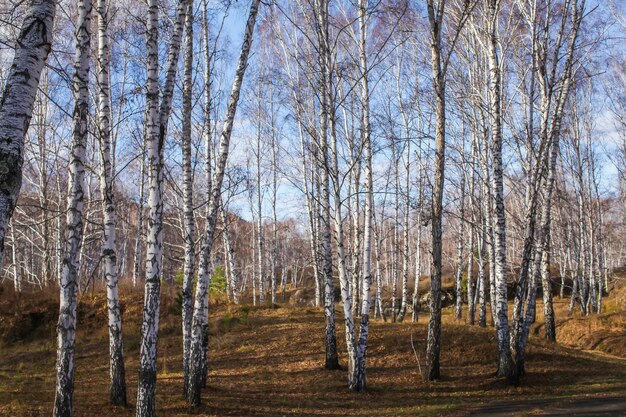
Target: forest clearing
x=266, y=361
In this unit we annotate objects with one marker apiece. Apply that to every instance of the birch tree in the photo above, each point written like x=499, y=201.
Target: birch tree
x=189, y=224
x=554, y=81
x=358, y=381
x=418, y=238
x=156, y=119
x=458, y=276
x=117, y=394
x=18, y=97
x=199, y=336
x=505, y=362
x=66, y=326
x=324, y=61
x=140, y=217
x=439, y=65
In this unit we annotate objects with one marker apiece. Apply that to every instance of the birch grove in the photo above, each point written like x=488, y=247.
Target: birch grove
x=368, y=162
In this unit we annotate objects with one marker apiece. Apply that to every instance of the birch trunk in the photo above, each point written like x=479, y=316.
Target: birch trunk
x=405, y=227
x=481, y=279
x=189, y=225
x=433, y=348
x=274, y=254
x=260, y=233
x=359, y=377
x=459, y=270
x=17, y=281
x=230, y=257
x=355, y=215
x=309, y=187
x=546, y=285
x=378, y=307
x=157, y=117
x=505, y=363
x=140, y=215
x=332, y=360
x=18, y=98
x=395, y=156
x=529, y=318
x=42, y=166
x=314, y=220
x=66, y=326
x=146, y=401
x=472, y=286
x=117, y=391
x=554, y=136
x=418, y=244
x=341, y=260
x=199, y=337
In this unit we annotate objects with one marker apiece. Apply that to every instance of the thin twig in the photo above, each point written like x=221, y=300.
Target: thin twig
x=416, y=357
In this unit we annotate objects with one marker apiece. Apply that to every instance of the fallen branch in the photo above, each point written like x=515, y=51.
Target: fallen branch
x=416, y=357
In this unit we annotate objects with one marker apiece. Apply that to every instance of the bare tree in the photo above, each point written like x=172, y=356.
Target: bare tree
x=117, y=393
x=440, y=60
x=18, y=97
x=199, y=336
x=66, y=326
x=156, y=120
x=189, y=224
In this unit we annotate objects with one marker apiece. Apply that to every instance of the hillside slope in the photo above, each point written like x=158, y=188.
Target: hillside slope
x=268, y=362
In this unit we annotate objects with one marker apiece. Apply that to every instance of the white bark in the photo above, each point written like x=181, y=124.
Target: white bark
x=418, y=240
x=395, y=156
x=260, y=233
x=146, y=401
x=274, y=252
x=199, y=337
x=481, y=279
x=359, y=379
x=140, y=214
x=66, y=326
x=459, y=256
x=156, y=131
x=18, y=98
x=17, y=280
x=117, y=391
x=433, y=349
x=405, y=227
x=230, y=257
x=505, y=363
x=332, y=361
x=189, y=224
x=472, y=285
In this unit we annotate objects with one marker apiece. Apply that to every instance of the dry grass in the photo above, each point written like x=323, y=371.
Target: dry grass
x=268, y=362
x=605, y=332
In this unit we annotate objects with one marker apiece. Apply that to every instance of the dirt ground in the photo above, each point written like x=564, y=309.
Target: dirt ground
x=268, y=362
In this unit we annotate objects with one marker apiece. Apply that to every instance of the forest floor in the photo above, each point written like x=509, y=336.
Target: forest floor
x=267, y=361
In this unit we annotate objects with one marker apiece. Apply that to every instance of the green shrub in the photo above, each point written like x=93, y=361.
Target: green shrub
x=217, y=288
x=229, y=320
x=177, y=306
x=244, y=310
x=234, y=317
x=218, y=282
